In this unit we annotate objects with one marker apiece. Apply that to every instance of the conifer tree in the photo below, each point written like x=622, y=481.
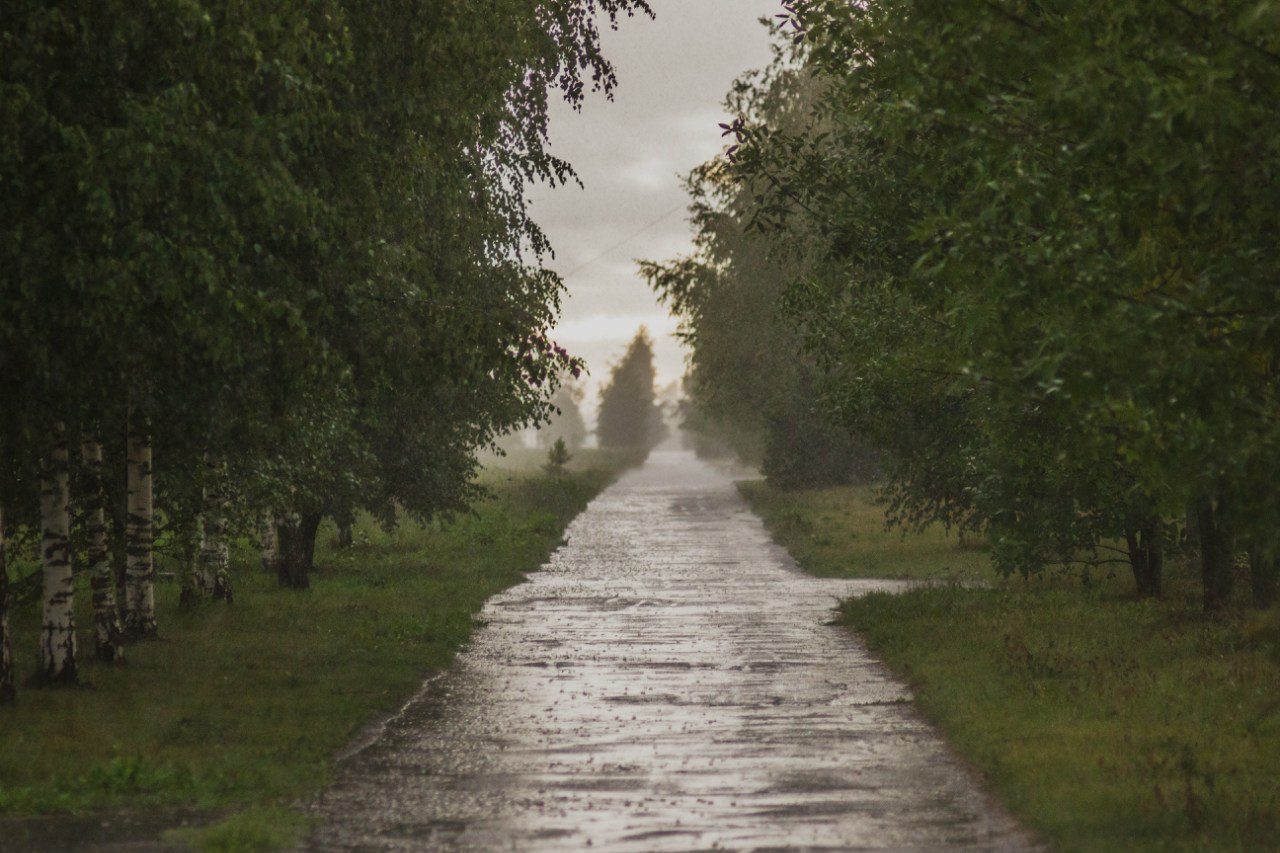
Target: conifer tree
x=630, y=417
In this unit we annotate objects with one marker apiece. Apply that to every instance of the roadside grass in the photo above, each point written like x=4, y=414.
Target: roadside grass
x=1105, y=723
x=246, y=705
x=839, y=532
x=254, y=829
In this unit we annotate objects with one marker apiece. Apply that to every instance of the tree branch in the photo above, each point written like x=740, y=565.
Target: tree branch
x=1235, y=37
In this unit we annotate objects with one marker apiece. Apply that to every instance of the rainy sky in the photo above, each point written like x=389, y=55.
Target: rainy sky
x=673, y=74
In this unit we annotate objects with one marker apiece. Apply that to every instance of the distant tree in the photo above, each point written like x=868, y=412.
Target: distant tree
x=566, y=422
x=751, y=387
x=557, y=457
x=630, y=416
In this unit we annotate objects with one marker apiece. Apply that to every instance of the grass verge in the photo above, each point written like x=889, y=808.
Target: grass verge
x=839, y=532
x=244, y=705
x=1105, y=723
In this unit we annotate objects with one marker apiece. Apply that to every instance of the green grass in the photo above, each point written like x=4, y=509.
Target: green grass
x=249, y=831
x=839, y=532
x=1105, y=723
x=246, y=704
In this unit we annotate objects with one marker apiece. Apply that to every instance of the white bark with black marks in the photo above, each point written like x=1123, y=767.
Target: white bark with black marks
x=58, y=624
x=140, y=577
x=215, y=550
x=268, y=541
x=190, y=543
x=108, y=634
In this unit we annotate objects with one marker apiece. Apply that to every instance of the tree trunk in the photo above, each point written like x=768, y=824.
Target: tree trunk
x=118, y=517
x=297, y=550
x=1193, y=531
x=269, y=542
x=310, y=526
x=1264, y=577
x=1146, y=557
x=140, y=576
x=215, y=552
x=58, y=624
x=108, y=635
x=7, y=692
x=346, y=538
x=1217, y=555
x=195, y=584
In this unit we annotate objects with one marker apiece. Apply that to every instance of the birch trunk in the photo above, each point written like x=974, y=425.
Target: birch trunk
x=108, y=635
x=269, y=542
x=7, y=692
x=140, y=577
x=58, y=626
x=195, y=584
x=215, y=551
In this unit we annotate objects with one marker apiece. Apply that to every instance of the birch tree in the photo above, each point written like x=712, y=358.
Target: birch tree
x=108, y=633
x=215, y=554
x=189, y=542
x=140, y=601
x=268, y=546
x=350, y=301
x=58, y=626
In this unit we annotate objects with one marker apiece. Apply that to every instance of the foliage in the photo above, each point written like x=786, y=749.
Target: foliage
x=749, y=383
x=566, y=422
x=629, y=414
x=293, y=238
x=1015, y=216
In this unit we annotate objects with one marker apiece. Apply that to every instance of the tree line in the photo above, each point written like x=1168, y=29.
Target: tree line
x=260, y=264
x=1016, y=259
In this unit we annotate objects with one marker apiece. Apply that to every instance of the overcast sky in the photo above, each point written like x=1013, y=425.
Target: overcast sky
x=673, y=74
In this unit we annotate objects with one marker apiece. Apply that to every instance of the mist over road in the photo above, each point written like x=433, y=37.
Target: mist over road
x=667, y=683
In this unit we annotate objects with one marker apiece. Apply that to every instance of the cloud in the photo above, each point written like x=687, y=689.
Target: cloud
x=630, y=154
x=613, y=328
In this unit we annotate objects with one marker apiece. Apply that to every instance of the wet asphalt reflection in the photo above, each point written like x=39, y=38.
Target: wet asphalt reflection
x=668, y=682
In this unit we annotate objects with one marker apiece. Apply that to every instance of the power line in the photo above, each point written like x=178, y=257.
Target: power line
x=618, y=245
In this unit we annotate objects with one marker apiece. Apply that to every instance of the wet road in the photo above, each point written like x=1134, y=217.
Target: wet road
x=666, y=683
